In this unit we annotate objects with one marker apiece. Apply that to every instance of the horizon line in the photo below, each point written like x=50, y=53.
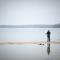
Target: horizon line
x=30, y=26
x=27, y=24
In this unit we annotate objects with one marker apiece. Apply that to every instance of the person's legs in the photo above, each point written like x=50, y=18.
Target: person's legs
x=48, y=38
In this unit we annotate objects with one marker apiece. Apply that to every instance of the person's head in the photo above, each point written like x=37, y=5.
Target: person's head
x=48, y=30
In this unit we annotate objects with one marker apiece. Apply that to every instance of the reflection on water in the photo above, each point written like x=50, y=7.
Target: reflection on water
x=48, y=48
x=30, y=52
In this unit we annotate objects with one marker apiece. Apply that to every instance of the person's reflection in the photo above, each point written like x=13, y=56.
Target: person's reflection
x=48, y=48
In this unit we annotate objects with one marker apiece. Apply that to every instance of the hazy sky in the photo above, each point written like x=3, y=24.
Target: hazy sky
x=26, y=12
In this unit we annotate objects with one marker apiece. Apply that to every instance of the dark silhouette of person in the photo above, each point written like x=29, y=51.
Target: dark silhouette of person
x=48, y=35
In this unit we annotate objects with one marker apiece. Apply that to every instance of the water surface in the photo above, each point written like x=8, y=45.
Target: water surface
x=29, y=51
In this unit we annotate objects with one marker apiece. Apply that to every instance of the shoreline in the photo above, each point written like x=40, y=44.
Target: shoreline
x=26, y=42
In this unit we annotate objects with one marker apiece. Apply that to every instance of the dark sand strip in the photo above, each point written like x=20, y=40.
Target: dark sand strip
x=33, y=42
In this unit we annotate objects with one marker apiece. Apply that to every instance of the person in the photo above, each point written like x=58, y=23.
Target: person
x=48, y=35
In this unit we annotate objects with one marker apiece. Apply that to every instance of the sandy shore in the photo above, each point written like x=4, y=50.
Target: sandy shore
x=27, y=42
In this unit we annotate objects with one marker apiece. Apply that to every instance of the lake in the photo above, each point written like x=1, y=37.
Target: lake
x=29, y=51
x=28, y=34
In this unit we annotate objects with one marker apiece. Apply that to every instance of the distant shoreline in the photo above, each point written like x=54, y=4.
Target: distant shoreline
x=30, y=26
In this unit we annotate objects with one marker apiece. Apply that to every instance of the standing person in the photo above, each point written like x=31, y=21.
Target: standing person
x=48, y=36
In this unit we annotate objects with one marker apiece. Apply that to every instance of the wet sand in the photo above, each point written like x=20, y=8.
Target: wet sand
x=29, y=50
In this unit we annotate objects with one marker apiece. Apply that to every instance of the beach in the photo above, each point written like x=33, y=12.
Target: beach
x=29, y=50
x=29, y=44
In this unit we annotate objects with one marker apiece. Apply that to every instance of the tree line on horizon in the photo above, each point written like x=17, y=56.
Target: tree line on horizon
x=31, y=26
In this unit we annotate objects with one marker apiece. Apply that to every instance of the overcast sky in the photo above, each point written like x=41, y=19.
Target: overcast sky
x=26, y=12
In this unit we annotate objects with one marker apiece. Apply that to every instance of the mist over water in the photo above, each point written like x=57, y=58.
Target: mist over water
x=29, y=12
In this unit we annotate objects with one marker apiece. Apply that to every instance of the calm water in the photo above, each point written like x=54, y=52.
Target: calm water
x=28, y=33
x=29, y=51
